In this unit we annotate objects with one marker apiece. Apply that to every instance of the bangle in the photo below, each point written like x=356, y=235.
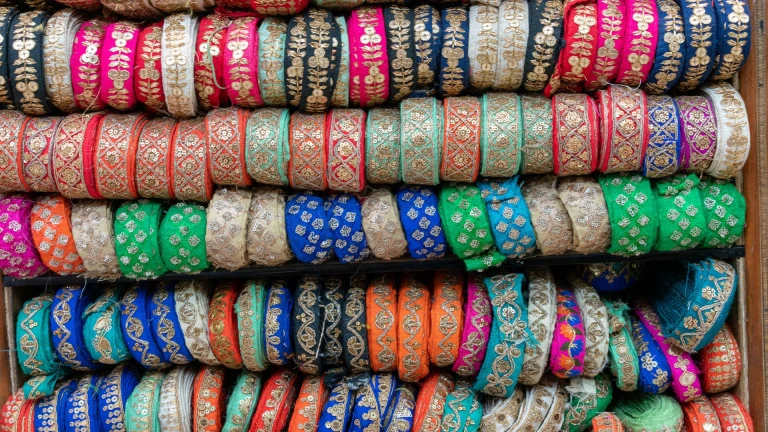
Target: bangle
x=382, y=151
x=208, y=398
x=733, y=34
x=47, y=417
x=242, y=402
x=11, y=151
x=542, y=311
x=306, y=221
x=190, y=178
x=97, y=251
x=639, y=49
x=454, y=63
x=577, y=57
x=331, y=303
x=401, y=51
x=148, y=75
x=266, y=238
x=549, y=217
x=611, y=17
x=428, y=39
x=166, y=326
x=7, y=15
x=209, y=61
x=509, y=217
x=624, y=361
x=115, y=155
x=506, y=344
x=501, y=134
x=225, y=131
x=413, y=330
x=142, y=406
x=545, y=23
x=307, y=325
x=382, y=227
x=72, y=156
x=114, y=390
x=37, y=144
x=182, y=233
x=337, y=411
x=340, y=96
x=137, y=239
x=26, y=62
x=421, y=222
x=321, y=62
x=82, y=407
x=138, y=10
x=635, y=410
x=346, y=225
x=176, y=398
x=272, y=37
x=118, y=59
x=720, y=362
x=60, y=32
x=462, y=409
x=192, y=300
x=381, y=314
x=52, y=235
x=225, y=233
x=345, y=149
x=250, y=308
x=623, y=129
x=632, y=212
x=400, y=416
x=540, y=400
x=85, y=64
x=732, y=140
x=266, y=146
x=154, y=155
x=566, y=358
x=11, y=411
x=461, y=139
x=699, y=415
x=265, y=7
x=662, y=154
x=137, y=333
x=18, y=256
x=511, y=45
x=373, y=400
x=733, y=415
x=369, y=85
x=293, y=59
x=178, y=51
x=536, y=156
x=680, y=222
x=655, y=373
x=68, y=307
x=555, y=418
x=609, y=278
x=309, y=402
x=430, y=403
x=585, y=402
x=308, y=158
x=279, y=395
x=104, y=339
x=420, y=144
x=576, y=134
x=596, y=329
x=278, y=323
x=669, y=55
x=607, y=422
x=724, y=210
x=476, y=329
x=36, y=354
x=222, y=325
x=701, y=43
x=354, y=327
x=583, y=199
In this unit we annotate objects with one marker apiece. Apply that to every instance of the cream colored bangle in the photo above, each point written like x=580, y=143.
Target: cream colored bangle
x=175, y=411
x=266, y=240
x=595, y=318
x=135, y=9
x=173, y=6
x=733, y=137
x=500, y=414
x=513, y=42
x=584, y=201
x=538, y=402
x=556, y=415
x=381, y=224
x=192, y=299
x=483, y=44
x=94, y=237
x=60, y=31
x=550, y=220
x=178, y=59
x=542, y=312
x=225, y=233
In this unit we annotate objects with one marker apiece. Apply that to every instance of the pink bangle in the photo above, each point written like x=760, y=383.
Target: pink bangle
x=118, y=57
x=611, y=21
x=86, y=65
x=477, y=329
x=241, y=63
x=566, y=358
x=369, y=80
x=18, y=256
x=642, y=34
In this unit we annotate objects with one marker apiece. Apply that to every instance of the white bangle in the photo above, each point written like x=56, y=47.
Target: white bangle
x=513, y=42
x=178, y=59
x=266, y=240
x=542, y=312
x=483, y=45
x=175, y=411
x=192, y=299
x=595, y=318
x=381, y=223
x=60, y=31
x=225, y=232
x=538, y=402
x=733, y=138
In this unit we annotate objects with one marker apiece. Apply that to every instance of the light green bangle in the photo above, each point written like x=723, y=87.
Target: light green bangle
x=340, y=97
x=585, y=406
x=137, y=239
x=102, y=329
x=681, y=219
x=382, y=151
x=632, y=211
x=421, y=128
x=250, y=308
x=33, y=337
x=143, y=405
x=266, y=146
x=536, y=151
x=622, y=354
x=648, y=412
x=183, y=238
x=501, y=134
x=242, y=402
x=724, y=212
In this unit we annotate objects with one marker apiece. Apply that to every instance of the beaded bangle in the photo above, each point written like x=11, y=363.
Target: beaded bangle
x=156, y=149
x=509, y=217
x=461, y=409
x=373, y=401
x=309, y=235
x=401, y=51
x=596, y=328
x=277, y=319
x=72, y=156
x=26, y=63
x=141, y=409
x=250, y=309
x=266, y=146
x=731, y=412
x=583, y=200
x=113, y=392
x=272, y=38
x=309, y=403
x=446, y=318
x=382, y=226
x=49, y=410
x=632, y=211
x=178, y=50
x=454, y=62
x=148, y=78
x=7, y=15
x=382, y=151
x=166, y=326
x=222, y=325
x=85, y=65
x=346, y=224
x=137, y=239
x=698, y=126
x=209, y=61
x=576, y=134
x=337, y=411
x=654, y=371
x=642, y=33
x=624, y=129
x=36, y=354
x=12, y=145
x=577, y=58
x=340, y=96
x=308, y=158
x=82, y=407
x=566, y=358
x=115, y=155
x=501, y=134
x=242, y=402
x=353, y=326
x=701, y=42
x=345, y=149
x=266, y=239
x=512, y=43
x=678, y=201
x=18, y=256
x=9, y=417
x=545, y=23
x=332, y=302
x=662, y=154
x=93, y=233
x=134, y=317
x=118, y=59
x=68, y=307
x=733, y=141
x=208, y=399
x=225, y=233
x=182, y=231
x=381, y=314
x=104, y=339
x=542, y=311
x=733, y=38
x=700, y=415
x=192, y=300
x=369, y=69
x=430, y=403
x=307, y=322
x=225, y=132
x=549, y=217
x=669, y=55
x=52, y=235
x=586, y=404
x=461, y=139
x=176, y=398
x=420, y=145
x=476, y=329
x=60, y=31
x=421, y=222
x=321, y=62
x=413, y=330
x=611, y=16
x=536, y=156
x=279, y=395
x=724, y=211
x=623, y=356
x=190, y=178
x=720, y=362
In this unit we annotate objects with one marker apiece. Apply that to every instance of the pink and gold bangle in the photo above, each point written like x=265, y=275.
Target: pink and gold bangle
x=642, y=34
x=611, y=17
x=345, y=141
x=153, y=176
x=225, y=129
x=72, y=156
x=575, y=137
x=13, y=125
x=566, y=357
x=577, y=57
x=461, y=139
x=209, y=61
x=148, y=77
x=117, y=65
x=85, y=65
x=241, y=63
x=115, y=159
x=623, y=128
x=37, y=142
x=477, y=328
x=189, y=175
x=369, y=71
x=308, y=160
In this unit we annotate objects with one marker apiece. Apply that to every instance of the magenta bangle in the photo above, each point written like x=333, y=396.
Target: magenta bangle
x=477, y=329
x=698, y=127
x=369, y=79
x=611, y=21
x=566, y=358
x=18, y=256
x=685, y=374
x=241, y=63
x=117, y=60
x=85, y=64
x=642, y=33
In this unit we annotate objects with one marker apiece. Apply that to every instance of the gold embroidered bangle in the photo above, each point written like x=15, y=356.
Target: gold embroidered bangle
x=512, y=44
x=225, y=234
x=554, y=233
x=583, y=199
x=381, y=223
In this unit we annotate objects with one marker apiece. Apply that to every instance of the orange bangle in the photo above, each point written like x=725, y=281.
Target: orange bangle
x=606, y=422
x=731, y=412
x=208, y=399
x=12, y=178
x=37, y=142
x=413, y=330
x=276, y=402
x=447, y=318
x=225, y=129
x=222, y=324
x=115, y=155
x=190, y=177
x=428, y=413
x=308, y=159
x=153, y=155
x=461, y=139
x=720, y=362
x=699, y=415
x=52, y=234
x=72, y=156
x=381, y=315
x=309, y=405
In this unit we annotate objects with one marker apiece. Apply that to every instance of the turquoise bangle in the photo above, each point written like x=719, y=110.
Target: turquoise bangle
x=103, y=333
x=242, y=402
x=266, y=146
x=382, y=151
x=182, y=234
x=460, y=413
x=36, y=353
x=340, y=97
x=143, y=405
x=250, y=308
x=501, y=134
x=272, y=34
x=421, y=128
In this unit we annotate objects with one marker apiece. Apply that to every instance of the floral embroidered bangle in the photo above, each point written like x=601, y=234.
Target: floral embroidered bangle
x=459, y=409
x=513, y=34
x=265, y=7
x=250, y=308
x=345, y=149
x=320, y=63
x=340, y=96
x=623, y=355
x=119, y=53
x=176, y=398
x=60, y=31
x=698, y=125
x=583, y=199
x=208, y=399
x=586, y=403
x=413, y=330
x=421, y=127
x=623, y=128
x=369, y=61
x=7, y=15
x=104, y=339
x=115, y=152
x=678, y=201
x=189, y=176
x=446, y=318
x=266, y=239
x=354, y=325
x=26, y=62
x=333, y=335
x=222, y=325
x=733, y=38
x=607, y=422
x=293, y=59
x=632, y=211
x=225, y=233
x=93, y=233
x=306, y=221
x=266, y=146
x=654, y=372
x=277, y=401
x=502, y=413
x=154, y=169
x=733, y=141
x=277, y=323
x=52, y=235
x=699, y=415
x=724, y=210
x=428, y=40
x=69, y=304
x=669, y=55
x=642, y=33
x=85, y=64
x=700, y=48
x=476, y=329
x=346, y=224
x=134, y=9
x=36, y=353
x=242, y=402
x=137, y=239
x=307, y=324
x=611, y=17
x=421, y=222
x=596, y=328
x=566, y=358
x=182, y=233
x=549, y=217
x=141, y=408
x=225, y=129
x=576, y=134
x=209, y=61
x=461, y=139
x=430, y=403
x=192, y=303
x=720, y=362
x=509, y=217
x=178, y=72
x=381, y=316
x=733, y=415
x=501, y=134
x=18, y=256
x=401, y=51
x=308, y=158
x=542, y=312
x=11, y=151
x=35, y=154
x=545, y=23
x=272, y=38
x=536, y=155
x=309, y=403
x=382, y=150
x=337, y=411
x=72, y=156
x=662, y=154
x=454, y=63
x=577, y=57
x=382, y=226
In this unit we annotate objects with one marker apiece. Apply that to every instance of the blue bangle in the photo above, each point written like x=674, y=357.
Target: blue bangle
x=509, y=216
x=429, y=36
x=421, y=222
x=346, y=222
x=166, y=327
x=69, y=304
x=454, y=70
x=82, y=407
x=734, y=31
x=50, y=410
x=306, y=221
x=137, y=330
x=608, y=278
x=669, y=56
x=277, y=322
x=700, y=23
x=372, y=401
x=400, y=416
x=337, y=410
x=655, y=374
x=114, y=390
x=662, y=155
x=103, y=336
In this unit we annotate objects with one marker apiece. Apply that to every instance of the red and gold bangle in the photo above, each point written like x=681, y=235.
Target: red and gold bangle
x=577, y=57
x=148, y=76
x=117, y=65
x=222, y=325
x=276, y=402
x=309, y=405
x=190, y=177
x=208, y=399
x=731, y=413
x=233, y=4
x=623, y=128
x=369, y=68
x=241, y=62
x=279, y=7
x=72, y=156
x=26, y=422
x=306, y=166
x=86, y=65
x=116, y=146
x=13, y=125
x=606, y=422
x=699, y=415
x=9, y=416
x=447, y=318
x=611, y=15
x=642, y=34
x=225, y=129
x=413, y=330
x=153, y=157
x=209, y=61
x=720, y=362
x=381, y=316
x=37, y=143
x=575, y=136
x=428, y=412
x=345, y=142
x=461, y=139
x=52, y=234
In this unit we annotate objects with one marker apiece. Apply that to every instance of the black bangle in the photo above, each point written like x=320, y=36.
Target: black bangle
x=354, y=327
x=332, y=298
x=428, y=37
x=7, y=15
x=293, y=61
x=545, y=25
x=454, y=55
x=26, y=63
x=401, y=51
x=307, y=325
x=321, y=62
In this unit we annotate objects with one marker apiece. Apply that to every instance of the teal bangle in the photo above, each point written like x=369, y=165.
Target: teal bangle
x=382, y=152
x=103, y=332
x=183, y=238
x=340, y=97
x=137, y=242
x=536, y=155
x=680, y=210
x=271, y=52
x=724, y=211
x=250, y=309
x=632, y=211
x=33, y=337
x=622, y=354
x=501, y=134
x=586, y=405
x=143, y=405
x=462, y=411
x=421, y=128
x=43, y=385
x=242, y=402
x=266, y=146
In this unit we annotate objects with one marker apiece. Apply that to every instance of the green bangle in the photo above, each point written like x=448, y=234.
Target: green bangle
x=143, y=405
x=724, y=212
x=340, y=97
x=622, y=354
x=461, y=407
x=536, y=155
x=33, y=337
x=250, y=308
x=586, y=405
x=137, y=240
x=466, y=225
x=266, y=146
x=103, y=332
x=632, y=210
x=382, y=152
x=183, y=238
x=501, y=134
x=421, y=127
x=681, y=219
x=242, y=402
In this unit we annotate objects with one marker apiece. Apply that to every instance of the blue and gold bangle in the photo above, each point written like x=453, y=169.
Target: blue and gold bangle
x=428, y=35
x=701, y=42
x=82, y=407
x=403, y=408
x=114, y=390
x=346, y=223
x=340, y=97
x=354, y=327
x=137, y=331
x=734, y=31
x=277, y=323
x=454, y=61
x=655, y=374
x=337, y=410
x=307, y=325
x=509, y=216
x=166, y=326
x=250, y=309
x=36, y=353
x=25, y=60
x=401, y=51
x=103, y=336
x=459, y=404
x=143, y=405
x=421, y=222
x=242, y=402
x=662, y=155
x=306, y=220
x=271, y=51
x=372, y=401
x=668, y=63
x=545, y=27
x=7, y=14
x=332, y=301
x=69, y=304
x=50, y=410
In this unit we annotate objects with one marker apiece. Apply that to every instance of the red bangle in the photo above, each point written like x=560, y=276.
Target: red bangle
x=225, y=129
x=13, y=124
x=36, y=153
x=116, y=146
x=208, y=399
x=623, y=128
x=72, y=156
x=148, y=80
x=699, y=415
x=209, y=61
x=720, y=362
x=731, y=413
x=279, y=7
x=428, y=412
x=276, y=402
x=190, y=178
x=233, y=4
x=153, y=176
x=577, y=57
x=306, y=166
x=9, y=416
x=575, y=136
x=309, y=405
x=345, y=140
x=461, y=139
x=222, y=325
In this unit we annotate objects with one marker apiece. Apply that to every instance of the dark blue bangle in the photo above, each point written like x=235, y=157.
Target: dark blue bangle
x=50, y=410
x=608, y=278
x=82, y=407
x=399, y=418
x=668, y=61
x=166, y=327
x=662, y=155
x=337, y=410
x=69, y=304
x=454, y=67
x=306, y=221
x=509, y=216
x=137, y=327
x=25, y=58
x=6, y=93
x=545, y=28
x=734, y=31
x=346, y=223
x=277, y=322
x=428, y=34
x=354, y=327
x=403, y=65
x=332, y=301
x=700, y=21
x=421, y=222
x=655, y=373
x=372, y=400
x=114, y=390
x=308, y=325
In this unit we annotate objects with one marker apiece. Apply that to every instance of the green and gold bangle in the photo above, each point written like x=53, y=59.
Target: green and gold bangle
x=242, y=402
x=501, y=134
x=382, y=152
x=632, y=211
x=536, y=151
x=421, y=129
x=585, y=405
x=724, y=212
x=340, y=97
x=183, y=238
x=103, y=333
x=250, y=325
x=137, y=242
x=266, y=146
x=622, y=355
x=143, y=405
x=680, y=210
x=33, y=337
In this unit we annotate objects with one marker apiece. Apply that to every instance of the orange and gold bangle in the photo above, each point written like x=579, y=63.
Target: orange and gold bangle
x=37, y=142
x=308, y=159
x=733, y=415
x=208, y=399
x=153, y=178
x=413, y=330
x=190, y=178
x=115, y=155
x=606, y=422
x=222, y=324
x=720, y=362
x=461, y=139
x=381, y=315
x=52, y=234
x=13, y=123
x=225, y=129
x=309, y=405
x=447, y=318
x=276, y=402
x=699, y=415
x=428, y=413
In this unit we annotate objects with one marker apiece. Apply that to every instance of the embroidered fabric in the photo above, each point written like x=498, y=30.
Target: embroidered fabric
x=250, y=308
x=421, y=126
x=93, y=234
x=501, y=135
x=454, y=62
x=542, y=311
x=226, y=229
x=421, y=222
x=549, y=217
x=382, y=151
x=137, y=239
x=267, y=151
x=381, y=224
x=266, y=238
x=484, y=59
x=596, y=327
x=182, y=234
x=413, y=330
x=346, y=223
x=178, y=72
x=18, y=255
x=509, y=217
x=309, y=235
x=191, y=301
x=733, y=140
x=583, y=199
x=51, y=230
x=58, y=41
x=166, y=327
x=623, y=356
